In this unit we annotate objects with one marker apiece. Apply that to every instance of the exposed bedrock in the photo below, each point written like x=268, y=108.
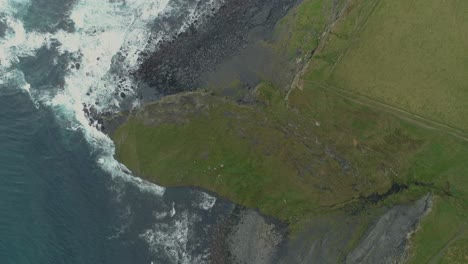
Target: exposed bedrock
x=385, y=240
x=248, y=237
x=381, y=235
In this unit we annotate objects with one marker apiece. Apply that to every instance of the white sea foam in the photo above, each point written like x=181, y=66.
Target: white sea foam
x=11, y=47
x=172, y=239
x=173, y=236
x=126, y=218
x=173, y=210
x=104, y=29
x=204, y=201
x=160, y=215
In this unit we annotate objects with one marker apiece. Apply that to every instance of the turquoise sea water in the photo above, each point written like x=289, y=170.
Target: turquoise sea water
x=63, y=198
x=55, y=206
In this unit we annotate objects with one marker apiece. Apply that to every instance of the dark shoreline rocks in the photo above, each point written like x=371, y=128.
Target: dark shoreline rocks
x=243, y=235
x=216, y=52
x=248, y=236
x=223, y=53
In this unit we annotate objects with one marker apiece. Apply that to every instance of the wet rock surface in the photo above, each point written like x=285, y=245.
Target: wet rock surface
x=215, y=52
x=254, y=240
x=247, y=237
x=223, y=51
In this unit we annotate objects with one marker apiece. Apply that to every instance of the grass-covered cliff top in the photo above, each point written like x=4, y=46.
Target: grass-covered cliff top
x=320, y=148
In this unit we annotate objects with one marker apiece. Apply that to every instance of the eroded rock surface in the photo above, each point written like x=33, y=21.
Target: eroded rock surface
x=329, y=239
x=248, y=237
x=387, y=240
x=254, y=240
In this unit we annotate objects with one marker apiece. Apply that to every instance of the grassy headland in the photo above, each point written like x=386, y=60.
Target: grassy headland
x=319, y=151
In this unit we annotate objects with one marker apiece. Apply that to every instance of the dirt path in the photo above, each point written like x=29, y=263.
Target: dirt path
x=405, y=115
x=400, y=113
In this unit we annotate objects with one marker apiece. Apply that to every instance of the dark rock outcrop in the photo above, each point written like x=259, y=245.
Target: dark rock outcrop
x=329, y=239
x=216, y=52
x=247, y=237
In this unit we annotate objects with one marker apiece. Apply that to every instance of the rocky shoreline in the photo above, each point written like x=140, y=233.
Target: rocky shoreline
x=246, y=236
x=214, y=54
x=224, y=53
x=224, y=48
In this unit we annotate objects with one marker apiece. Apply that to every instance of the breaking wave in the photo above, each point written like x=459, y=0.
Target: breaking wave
x=103, y=49
x=100, y=52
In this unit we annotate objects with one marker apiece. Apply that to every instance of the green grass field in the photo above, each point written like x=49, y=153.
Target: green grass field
x=276, y=153
x=412, y=55
x=320, y=152
x=263, y=156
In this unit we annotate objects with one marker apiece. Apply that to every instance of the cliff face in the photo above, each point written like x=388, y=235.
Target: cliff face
x=251, y=238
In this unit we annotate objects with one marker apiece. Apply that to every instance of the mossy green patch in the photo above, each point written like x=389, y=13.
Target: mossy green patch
x=299, y=32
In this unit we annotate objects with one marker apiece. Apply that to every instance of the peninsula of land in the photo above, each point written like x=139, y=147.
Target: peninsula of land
x=332, y=124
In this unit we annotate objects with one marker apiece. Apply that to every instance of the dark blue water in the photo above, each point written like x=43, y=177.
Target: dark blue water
x=53, y=201
x=57, y=204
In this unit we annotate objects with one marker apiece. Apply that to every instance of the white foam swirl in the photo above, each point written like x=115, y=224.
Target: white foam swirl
x=102, y=29
x=204, y=201
x=171, y=239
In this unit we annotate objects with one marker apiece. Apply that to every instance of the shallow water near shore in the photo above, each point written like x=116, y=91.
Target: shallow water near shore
x=56, y=204
x=59, y=206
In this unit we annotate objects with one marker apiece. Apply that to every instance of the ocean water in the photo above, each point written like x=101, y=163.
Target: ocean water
x=63, y=197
